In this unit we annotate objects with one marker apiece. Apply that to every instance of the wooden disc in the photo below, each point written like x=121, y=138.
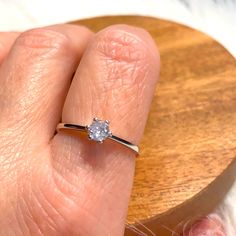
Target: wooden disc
x=190, y=138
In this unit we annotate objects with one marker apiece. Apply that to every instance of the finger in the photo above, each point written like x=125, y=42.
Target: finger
x=115, y=81
x=35, y=77
x=211, y=225
x=6, y=41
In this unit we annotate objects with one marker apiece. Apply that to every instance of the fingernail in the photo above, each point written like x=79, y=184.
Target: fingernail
x=211, y=225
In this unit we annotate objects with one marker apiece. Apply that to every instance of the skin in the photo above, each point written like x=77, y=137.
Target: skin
x=60, y=184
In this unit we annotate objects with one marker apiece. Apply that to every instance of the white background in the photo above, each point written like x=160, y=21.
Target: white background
x=217, y=18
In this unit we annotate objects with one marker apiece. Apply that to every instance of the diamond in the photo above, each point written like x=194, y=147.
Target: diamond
x=99, y=130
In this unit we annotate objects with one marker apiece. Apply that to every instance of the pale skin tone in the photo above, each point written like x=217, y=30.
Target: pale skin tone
x=58, y=184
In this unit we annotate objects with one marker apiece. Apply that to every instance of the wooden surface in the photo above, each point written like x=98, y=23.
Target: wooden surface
x=190, y=137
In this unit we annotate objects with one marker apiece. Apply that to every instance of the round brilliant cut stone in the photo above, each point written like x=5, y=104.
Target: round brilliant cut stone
x=99, y=130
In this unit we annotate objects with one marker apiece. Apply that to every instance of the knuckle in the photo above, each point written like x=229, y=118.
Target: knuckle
x=43, y=39
x=2, y=50
x=121, y=45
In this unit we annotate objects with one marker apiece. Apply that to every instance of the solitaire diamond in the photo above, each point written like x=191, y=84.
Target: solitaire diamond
x=99, y=130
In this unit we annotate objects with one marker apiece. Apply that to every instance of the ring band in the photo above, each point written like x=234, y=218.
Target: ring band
x=97, y=131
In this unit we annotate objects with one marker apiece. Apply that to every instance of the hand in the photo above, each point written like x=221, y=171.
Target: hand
x=57, y=184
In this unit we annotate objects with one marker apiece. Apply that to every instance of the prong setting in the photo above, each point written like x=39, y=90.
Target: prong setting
x=98, y=130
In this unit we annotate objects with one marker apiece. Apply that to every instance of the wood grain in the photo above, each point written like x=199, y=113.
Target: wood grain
x=190, y=138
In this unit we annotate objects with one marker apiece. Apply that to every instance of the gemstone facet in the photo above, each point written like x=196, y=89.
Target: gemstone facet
x=98, y=130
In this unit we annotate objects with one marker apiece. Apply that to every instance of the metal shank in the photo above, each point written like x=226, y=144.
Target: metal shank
x=81, y=128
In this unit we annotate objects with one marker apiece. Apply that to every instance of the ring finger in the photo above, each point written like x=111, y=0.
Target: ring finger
x=115, y=80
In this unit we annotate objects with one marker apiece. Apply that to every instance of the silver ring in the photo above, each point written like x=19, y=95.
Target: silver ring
x=98, y=131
